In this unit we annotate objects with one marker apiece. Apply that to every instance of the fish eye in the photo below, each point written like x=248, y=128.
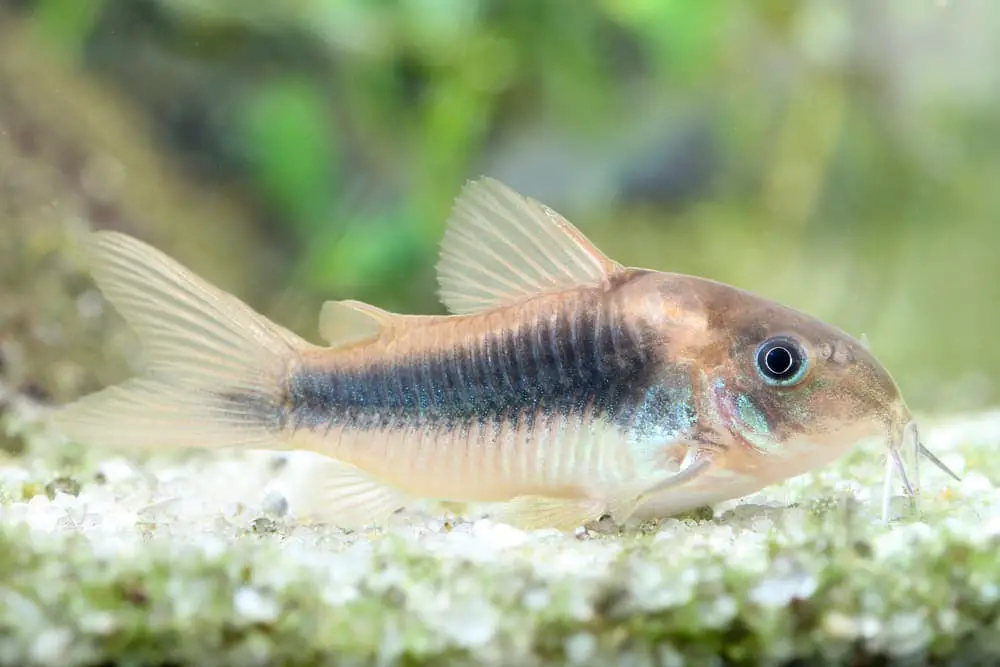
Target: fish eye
x=781, y=361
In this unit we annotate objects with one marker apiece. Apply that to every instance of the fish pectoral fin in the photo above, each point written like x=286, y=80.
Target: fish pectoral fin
x=701, y=462
x=500, y=247
x=536, y=512
x=346, y=496
x=623, y=505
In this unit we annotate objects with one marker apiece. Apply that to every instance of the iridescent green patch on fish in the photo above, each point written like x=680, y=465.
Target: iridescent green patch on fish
x=758, y=429
x=742, y=414
x=666, y=414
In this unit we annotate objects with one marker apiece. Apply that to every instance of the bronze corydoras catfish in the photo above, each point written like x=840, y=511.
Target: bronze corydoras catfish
x=562, y=387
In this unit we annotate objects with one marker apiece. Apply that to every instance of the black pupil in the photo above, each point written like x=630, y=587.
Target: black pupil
x=779, y=361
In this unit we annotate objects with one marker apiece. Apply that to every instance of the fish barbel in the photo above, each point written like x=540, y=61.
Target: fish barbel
x=562, y=387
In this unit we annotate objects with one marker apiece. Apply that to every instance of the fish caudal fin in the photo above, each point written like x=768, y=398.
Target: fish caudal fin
x=215, y=372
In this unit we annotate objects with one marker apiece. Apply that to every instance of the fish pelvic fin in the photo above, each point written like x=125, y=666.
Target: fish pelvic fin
x=215, y=371
x=538, y=512
x=534, y=512
x=346, y=496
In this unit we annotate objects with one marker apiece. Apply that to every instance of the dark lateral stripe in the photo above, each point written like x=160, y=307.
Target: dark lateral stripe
x=563, y=363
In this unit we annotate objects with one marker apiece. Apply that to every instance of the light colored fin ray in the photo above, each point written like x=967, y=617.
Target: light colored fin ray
x=507, y=240
x=143, y=413
x=146, y=306
x=623, y=504
x=530, y=209
x=120, y=262
x=213, y=364
x=701, y=462
x=347, y=497
x=500, y=248
x=536, y=512
x=471, y=246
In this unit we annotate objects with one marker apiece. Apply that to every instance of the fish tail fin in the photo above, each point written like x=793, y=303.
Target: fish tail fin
x=216, y=372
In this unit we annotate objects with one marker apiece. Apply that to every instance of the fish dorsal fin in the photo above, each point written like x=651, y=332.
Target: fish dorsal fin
x=343, y=323
x=501, y=247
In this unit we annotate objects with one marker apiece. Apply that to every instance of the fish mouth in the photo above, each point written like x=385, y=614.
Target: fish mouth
x=909, y=437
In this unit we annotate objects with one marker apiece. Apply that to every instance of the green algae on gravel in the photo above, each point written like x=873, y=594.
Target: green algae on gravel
x=803, y=572
x=911, y=592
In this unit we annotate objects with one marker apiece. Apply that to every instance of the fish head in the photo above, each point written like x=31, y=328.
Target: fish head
x=776, y=392
x=787, y=392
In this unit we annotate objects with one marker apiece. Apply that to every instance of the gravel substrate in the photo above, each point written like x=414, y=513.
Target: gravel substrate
x=198, y=560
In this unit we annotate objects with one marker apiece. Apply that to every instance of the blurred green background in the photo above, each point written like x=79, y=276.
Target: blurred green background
x=842, y=157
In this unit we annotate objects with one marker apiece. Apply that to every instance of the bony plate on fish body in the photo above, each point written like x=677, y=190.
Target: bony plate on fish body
x=562, y=387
